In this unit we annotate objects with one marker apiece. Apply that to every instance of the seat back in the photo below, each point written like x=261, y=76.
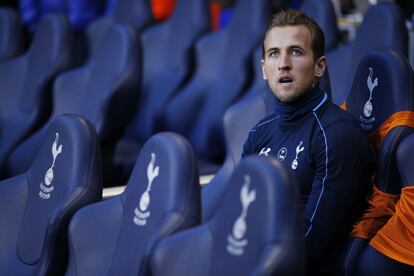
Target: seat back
x=104, y=90
x=256, y=230
x=382, y=100
x=162, y=196
x=11, y=34
x=342, y=63
x=237, y=122
x=36, y=206
x=385, y=111
x=25, y=82
x=323, y=12
x=106, y=87
x=258, y=84
x=135, y=13
x=164, y=73
x=221, y=74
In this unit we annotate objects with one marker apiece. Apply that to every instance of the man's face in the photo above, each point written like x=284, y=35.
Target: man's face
x=288, y=64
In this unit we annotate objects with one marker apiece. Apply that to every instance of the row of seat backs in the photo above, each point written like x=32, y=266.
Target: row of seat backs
x=104, y=90
x=383, y=27
x=168, y=60
x=11, y=34
x=121, y=235
x=25, y=163
x=142, y=112
x=127, y=235
x=168, y=50
x=25, y=82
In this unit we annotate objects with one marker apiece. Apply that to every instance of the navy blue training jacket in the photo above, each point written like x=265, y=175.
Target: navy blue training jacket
x=332, y=161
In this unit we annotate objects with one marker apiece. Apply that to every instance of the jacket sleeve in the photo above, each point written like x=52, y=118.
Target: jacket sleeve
x=343, y=162
x=247, y=147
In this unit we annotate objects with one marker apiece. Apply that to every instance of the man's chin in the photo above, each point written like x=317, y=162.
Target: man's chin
x=287, y=97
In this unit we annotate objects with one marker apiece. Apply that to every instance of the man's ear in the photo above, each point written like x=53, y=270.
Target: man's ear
x=263, y=69
x=320, y=66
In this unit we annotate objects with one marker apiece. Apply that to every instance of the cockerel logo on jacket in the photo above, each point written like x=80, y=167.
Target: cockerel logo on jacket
x=236, y=240
x=142, y=212
x=366, y=118
x=299, y=149
x=47, y=188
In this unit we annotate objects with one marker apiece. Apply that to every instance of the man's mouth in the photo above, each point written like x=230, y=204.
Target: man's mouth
x=285, y=79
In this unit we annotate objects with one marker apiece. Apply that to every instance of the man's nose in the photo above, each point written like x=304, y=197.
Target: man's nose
x=284, y=62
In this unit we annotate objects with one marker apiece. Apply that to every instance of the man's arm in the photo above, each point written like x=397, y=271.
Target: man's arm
x=247, y=147
x=343, y=162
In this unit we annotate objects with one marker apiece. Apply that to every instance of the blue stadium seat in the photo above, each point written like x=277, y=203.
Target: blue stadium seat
x=237, y=122
x=117, y=236
x=256, y=229
x=26, y=80
x=222, y=66
x=383, y=87
x=381, y=99
x=163, y=72
x=258, y=84
x=11, y=34
x=104, y=90
x=135, y=13
x=323, y=12
x=383, y=27
x=36, y=206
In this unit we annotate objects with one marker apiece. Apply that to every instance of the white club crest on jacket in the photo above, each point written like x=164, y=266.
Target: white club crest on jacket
x=141, y=212
x=46, y=189
x=236, y=240
x=265, y=151
x=299, y=149
x=281, y=154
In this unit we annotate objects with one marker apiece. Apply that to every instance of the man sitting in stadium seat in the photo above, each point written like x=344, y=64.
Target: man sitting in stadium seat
x=321, y=144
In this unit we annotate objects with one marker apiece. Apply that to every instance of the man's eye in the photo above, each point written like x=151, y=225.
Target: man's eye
x=296, y=52
x=274, y=54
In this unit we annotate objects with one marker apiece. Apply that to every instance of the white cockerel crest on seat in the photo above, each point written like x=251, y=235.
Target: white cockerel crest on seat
x=142, y=212
x=371, y=85
x=366, y=118
x=46, y=189
x=236, y=240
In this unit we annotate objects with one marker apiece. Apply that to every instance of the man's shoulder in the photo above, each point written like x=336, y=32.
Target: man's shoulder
x=333, y=115
x=340, y=126
x=265, y=122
